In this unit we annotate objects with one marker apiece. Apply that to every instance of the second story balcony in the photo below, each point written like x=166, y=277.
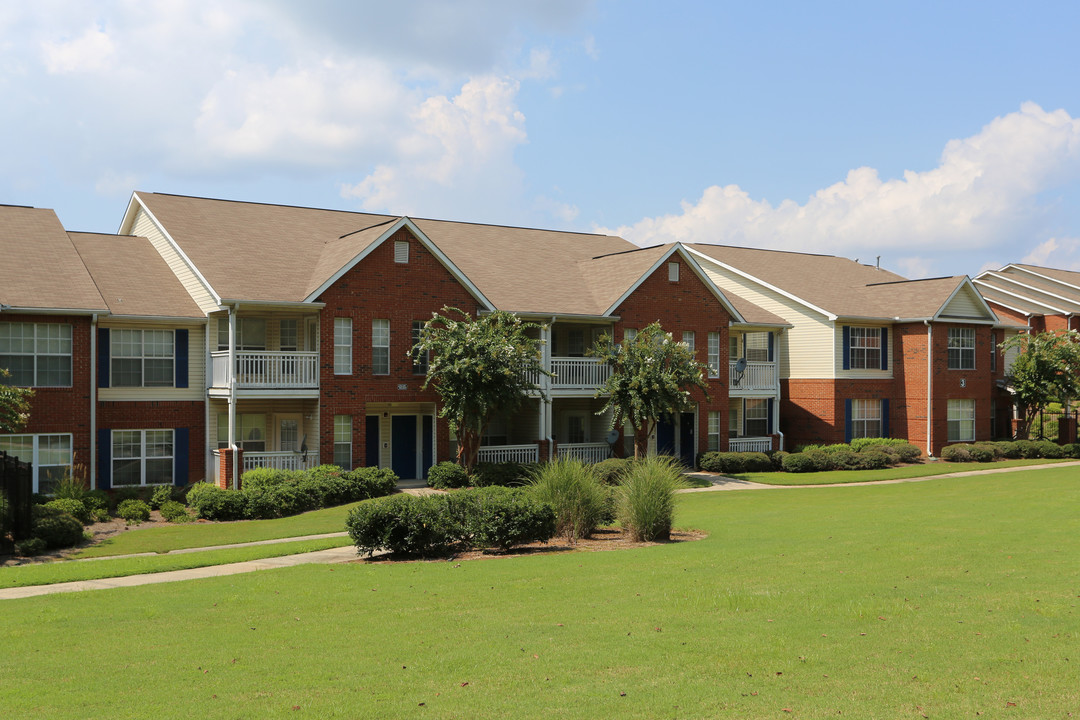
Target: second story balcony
x=287, y=373
x=755, y=377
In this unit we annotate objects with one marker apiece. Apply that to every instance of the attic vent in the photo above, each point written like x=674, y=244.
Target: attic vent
x=401, y=251
x=673, y=272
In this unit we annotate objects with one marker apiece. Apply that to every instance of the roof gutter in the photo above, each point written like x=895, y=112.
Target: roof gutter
x=235, y=303
x=54, y=311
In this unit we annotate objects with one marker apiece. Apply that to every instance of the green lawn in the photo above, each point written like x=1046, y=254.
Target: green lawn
x=68, y=571
x=943, y=599
x=896, y=473
x=192, y=535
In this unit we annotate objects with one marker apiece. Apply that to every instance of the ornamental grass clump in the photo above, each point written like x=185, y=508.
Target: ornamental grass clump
x=574, y=493
x=646, y=498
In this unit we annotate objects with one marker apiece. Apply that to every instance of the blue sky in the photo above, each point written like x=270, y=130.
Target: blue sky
x=944, y=137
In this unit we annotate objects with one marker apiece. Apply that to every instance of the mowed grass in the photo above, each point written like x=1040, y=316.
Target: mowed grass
x=70, y=571
x=944, y=598
x=194, y=535
x=926, y=469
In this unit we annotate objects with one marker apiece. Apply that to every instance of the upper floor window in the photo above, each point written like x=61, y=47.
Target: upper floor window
x=575, y=340
x=757, y=346
x=864, y=348
x=993, y=352
x=36, y=354
x=288, y=335
x=250, y=333
x=628, y=334
x=688, y=339
x=141, y=358
x=380, y=347
x=961, y=348
x=342, y=346
x=673, y=272
x=714, y=355
x=419, y=358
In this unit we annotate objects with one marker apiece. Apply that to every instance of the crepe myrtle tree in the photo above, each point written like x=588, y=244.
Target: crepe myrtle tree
x=1046, y=369
x=14, y=404
x=651, y=376
x=480, y=367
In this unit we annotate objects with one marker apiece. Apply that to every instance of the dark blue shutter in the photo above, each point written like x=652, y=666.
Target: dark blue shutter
x=180, y=358
x=180, y=455
x=769, y=430
x=847, y=347
x=429, y=443
x=885, y=418
x=884, y=348
x=847, y=419
x=103, y=357
x=104, y=454
x=772, y=357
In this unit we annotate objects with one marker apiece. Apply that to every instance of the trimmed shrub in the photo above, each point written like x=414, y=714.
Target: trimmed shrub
x=1048, y=449
x=725, y=463
x=55, y=528
x=820, y=459
x=756, y=462
x=1072, y=450
x=777, y=459
x=507, y=474
x=213, y=503
x=956, y=453
x=405, y=525
x=798, y=463
x=31, y=546
x=100, y=515
x=501, y=518
x=96, y=500
x=74, y=508
x=447, y=475
x=980, y=454
x=1026, y=449
x=992, y=448
x=134, y=511
x=161, y=495
x=272, y=501
x=175, y=512
x=841, y=458
x=1007, y=449
x=872, y=459
x=908, y=452
x=612, y=470
x=574, y=492
x=646, y=498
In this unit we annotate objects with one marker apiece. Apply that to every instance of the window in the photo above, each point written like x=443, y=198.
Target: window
x=688, y=339
x=36, y=354
x=495, y=433
x=865, y=418
x=380, y=347
x=250, y=431
x=864, y=351
x=575, y=340
x=714, y=431
x=50, y=454
x=288, y=336
x=342, y=346
x=993, y=353
x=961, y=348
x=575, y=429
x=250, y=333
x=401, y=251
x=628, y=335
x=756, y=420
x=714, y=354
x=734, y=353
x=343, y=441
x=673, y=272
x=142, y=457
x=734, y=423
x=961, y=420
x=993, y=418
x=420, y=359
x=141, y=358
x=757, y=346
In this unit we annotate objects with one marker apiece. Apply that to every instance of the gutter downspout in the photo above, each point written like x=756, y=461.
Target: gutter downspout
x=929, y=388
x=93, y=398
x=548, y=420
x=232, y=394
x=208, y=380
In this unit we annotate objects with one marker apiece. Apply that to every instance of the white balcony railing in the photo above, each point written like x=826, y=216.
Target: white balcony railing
x=282, y=370
x=753, y=444
x=586, y=452
x=281, y=460
x=756, y=376
x=509, y=453
x=579, y=372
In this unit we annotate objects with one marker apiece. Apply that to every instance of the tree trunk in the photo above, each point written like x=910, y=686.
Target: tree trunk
x=468, y=449
x=641, y=441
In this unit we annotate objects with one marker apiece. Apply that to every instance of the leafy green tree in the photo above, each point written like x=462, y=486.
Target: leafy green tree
x=14, y=405
x=1046, y=369
x=479, y=366
x=651, y=375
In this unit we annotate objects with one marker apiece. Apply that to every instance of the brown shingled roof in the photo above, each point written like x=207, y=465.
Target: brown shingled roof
x=132, y=277
x=39, y=266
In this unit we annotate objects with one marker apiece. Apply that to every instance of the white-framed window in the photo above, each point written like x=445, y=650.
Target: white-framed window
x=141, y=358
x=142, y=457
x=757, y=346
x=714, y=354
x=628, y=334
x=734, y=420
x=496, y=432
x=51, y=456
x=380, y=347
x=401, y=251
x=36, y=354
x=961, y=348
x=342, y=346
x=756, y=417
x=577, y=429
x=288, y=335
x=865, y=418
x=864, y=348
x=250, y=333
x=688, y=339
x=673, y=272
x=575, y=343
x=993, y=353
x=714, y=431
x=961, y=420
x=250, y=431
x=420, y=359
x=343, y=441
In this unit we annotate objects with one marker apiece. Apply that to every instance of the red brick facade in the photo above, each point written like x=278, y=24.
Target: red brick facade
x=161, y=415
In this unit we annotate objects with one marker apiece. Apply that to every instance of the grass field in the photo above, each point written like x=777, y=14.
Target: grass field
x=895, y=473
x=949, y=598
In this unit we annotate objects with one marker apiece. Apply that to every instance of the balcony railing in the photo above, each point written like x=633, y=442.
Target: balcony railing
x=280, y=370
x=509, y=453
x=579, y=372
x=586, y=452
x=753, y=444
x=280, y=460
x=756, y=376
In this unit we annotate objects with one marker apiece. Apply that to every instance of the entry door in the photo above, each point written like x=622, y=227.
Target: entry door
x=686, y=439
x=371, y=441
x=665, y=436
x=288, y=433
x=403, y=446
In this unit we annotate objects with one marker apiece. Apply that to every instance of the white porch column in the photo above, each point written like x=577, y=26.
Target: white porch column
x=232, y=392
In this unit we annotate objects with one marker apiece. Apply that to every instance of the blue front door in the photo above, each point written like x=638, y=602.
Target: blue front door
x=686, y=439
x=665, y=436
x=403, y=446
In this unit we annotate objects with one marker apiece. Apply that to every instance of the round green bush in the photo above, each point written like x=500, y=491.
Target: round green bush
x=31, y=546
x=501, y=518
x=612, y=470
x=799, y=463
x=756, y=462
x=908, y=452
x=1072, y=450
x=134, y=511
x=841, y=458
x=956, y=453
x=1048, y=449
x=404, y=525
x=992, y=448
x=57, y=529
x=508, y=474
x=161, y=495
x=175, y=512
x=873, y=458
x=96, y=500
x=981, y=454
x=213, y=503
x=447, y=475
x=74, y=508
x=820, y=459
x=777, y=459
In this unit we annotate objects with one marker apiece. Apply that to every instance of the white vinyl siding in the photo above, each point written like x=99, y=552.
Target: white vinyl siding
x=380, y=347
x=50, y=455
x=342, y=346
x=196, y=389
x=36, y=354
x=961, y=420
x=965, y=305
x=144, y=226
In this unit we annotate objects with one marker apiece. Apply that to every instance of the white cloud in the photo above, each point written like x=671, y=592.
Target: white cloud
x=93, y=51
x=983, y=189
x=1061, y=253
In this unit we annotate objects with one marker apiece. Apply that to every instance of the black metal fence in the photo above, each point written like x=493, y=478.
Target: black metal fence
x=1059, y=427
x=16, y=487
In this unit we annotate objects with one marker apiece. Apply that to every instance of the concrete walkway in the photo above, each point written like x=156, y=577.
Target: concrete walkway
x=348, y=553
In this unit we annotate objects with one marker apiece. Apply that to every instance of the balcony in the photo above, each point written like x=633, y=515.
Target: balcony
x=758, y=377
x=509, y=453
x=295, y=373
x=586, y=452
x=750, y=444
